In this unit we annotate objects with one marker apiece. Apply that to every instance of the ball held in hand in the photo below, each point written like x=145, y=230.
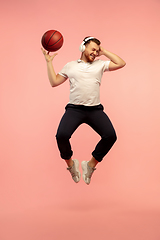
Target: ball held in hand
x=52, y=40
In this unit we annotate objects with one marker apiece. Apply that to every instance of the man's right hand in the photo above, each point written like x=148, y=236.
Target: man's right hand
x=47, y=56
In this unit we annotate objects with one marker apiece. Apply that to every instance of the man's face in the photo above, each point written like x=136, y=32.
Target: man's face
x=91, y=51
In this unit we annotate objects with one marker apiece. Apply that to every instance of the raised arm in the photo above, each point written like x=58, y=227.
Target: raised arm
x=116, y=61
x=55, y=79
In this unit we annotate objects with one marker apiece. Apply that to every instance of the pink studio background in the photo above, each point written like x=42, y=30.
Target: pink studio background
x=39, y=200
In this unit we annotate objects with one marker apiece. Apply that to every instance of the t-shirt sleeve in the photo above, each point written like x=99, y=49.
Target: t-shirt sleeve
x=106, y=65
x=63, y=71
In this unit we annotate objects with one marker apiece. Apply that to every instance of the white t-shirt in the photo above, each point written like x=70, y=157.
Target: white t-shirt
x=85, y=80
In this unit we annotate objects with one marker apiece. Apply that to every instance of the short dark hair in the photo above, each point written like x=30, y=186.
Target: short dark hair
x=93, y=40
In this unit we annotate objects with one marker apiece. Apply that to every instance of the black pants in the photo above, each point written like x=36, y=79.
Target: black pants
x=95, y=117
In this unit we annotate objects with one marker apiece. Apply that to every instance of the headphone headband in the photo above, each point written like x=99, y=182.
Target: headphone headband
x=87, y=39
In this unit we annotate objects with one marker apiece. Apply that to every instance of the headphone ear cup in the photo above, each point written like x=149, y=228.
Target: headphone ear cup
x=82, y=47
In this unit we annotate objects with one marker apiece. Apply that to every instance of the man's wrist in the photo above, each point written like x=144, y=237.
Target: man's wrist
x=49, y=62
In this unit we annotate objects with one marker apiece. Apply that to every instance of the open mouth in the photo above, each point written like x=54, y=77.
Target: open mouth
x=93, y=57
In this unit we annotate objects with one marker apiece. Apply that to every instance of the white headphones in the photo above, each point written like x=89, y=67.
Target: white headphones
x=82, y=46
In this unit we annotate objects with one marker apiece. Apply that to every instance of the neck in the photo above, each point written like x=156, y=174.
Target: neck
x=83, y=58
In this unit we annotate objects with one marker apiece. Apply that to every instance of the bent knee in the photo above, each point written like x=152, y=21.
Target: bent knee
x=112, y=137
x=62, y=136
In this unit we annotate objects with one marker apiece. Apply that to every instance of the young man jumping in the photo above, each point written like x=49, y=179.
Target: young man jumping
x=84, y=103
